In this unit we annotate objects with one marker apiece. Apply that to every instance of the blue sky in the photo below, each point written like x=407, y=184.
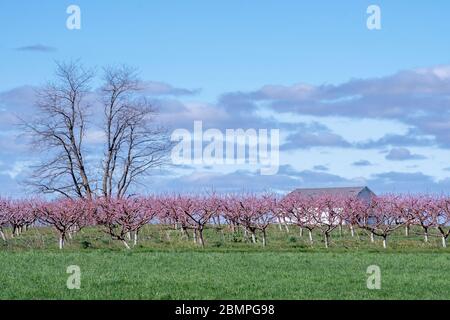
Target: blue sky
x=259, y=55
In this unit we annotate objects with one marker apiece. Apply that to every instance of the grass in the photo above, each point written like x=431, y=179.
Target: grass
x=163, y=266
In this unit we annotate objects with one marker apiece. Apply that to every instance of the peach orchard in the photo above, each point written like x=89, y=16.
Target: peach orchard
x=250, y=214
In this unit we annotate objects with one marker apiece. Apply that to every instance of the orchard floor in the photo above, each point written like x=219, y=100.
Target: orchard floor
x=163, y=266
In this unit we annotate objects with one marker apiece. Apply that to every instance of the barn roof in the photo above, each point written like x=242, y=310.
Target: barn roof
x=343, y=191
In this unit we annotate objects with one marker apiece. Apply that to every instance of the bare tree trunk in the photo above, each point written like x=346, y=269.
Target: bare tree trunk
x=301, y=232
x=384, y=242
x=444, y=242
x=310, y=236
x=407, y=230
x=426, y=235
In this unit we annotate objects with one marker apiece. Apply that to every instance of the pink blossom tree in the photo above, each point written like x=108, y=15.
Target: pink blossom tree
x=19, y=214
x=122, y=217
x=3, y=218
x=441, y=218
x=64, y=215
x=328, y=214
x=382, y=217
x=299, y=209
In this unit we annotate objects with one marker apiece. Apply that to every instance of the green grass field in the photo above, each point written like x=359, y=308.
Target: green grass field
x=163, y=266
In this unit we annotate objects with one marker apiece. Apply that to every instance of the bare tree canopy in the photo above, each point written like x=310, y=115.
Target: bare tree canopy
x=133, y=141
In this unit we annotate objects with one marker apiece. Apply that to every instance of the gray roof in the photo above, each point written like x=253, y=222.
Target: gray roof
x=344, y=191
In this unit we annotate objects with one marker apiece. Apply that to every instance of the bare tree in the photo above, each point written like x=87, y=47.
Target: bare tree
x=58, y=133
x=134, y=143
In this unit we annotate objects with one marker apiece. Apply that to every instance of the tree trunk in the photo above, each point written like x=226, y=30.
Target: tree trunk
x=126, y=244
x=384, y=242
x=279, y=224
x=286, y=225
x=301, y=232
x=61, y=241
x=352, y=231
x=253, y=237
x=2, y=235
x=407, y=230
x=184, y=232
x=264, y=238
x=310, y=237
x=426, y=235
x=200, y=236
x=444, y=242
x=340, y=230
x=245, y=234
x=195, y=236
x=327, y=240
x=372, y=238
x=135, y=238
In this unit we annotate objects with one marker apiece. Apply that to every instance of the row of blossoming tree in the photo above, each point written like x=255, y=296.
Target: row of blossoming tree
x=123, y=219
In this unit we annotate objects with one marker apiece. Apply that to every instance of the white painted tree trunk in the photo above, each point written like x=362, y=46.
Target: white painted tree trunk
x=286, y=225
x=264, y=238
x=2, y=235
x=407, y=231
x=279, y=224
x=310, y=237
x=326, y=241
x=426, y=236
x=340, y=230
x=61, y=242
x=384, y=243
x=195, y=236
x=352, y=231
x=129, y=235
x=202, y=241
x=126, y=244
x=135, y=238
x=301, y=232
x=444, y=242
x=372, y=238
x=253, y=237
